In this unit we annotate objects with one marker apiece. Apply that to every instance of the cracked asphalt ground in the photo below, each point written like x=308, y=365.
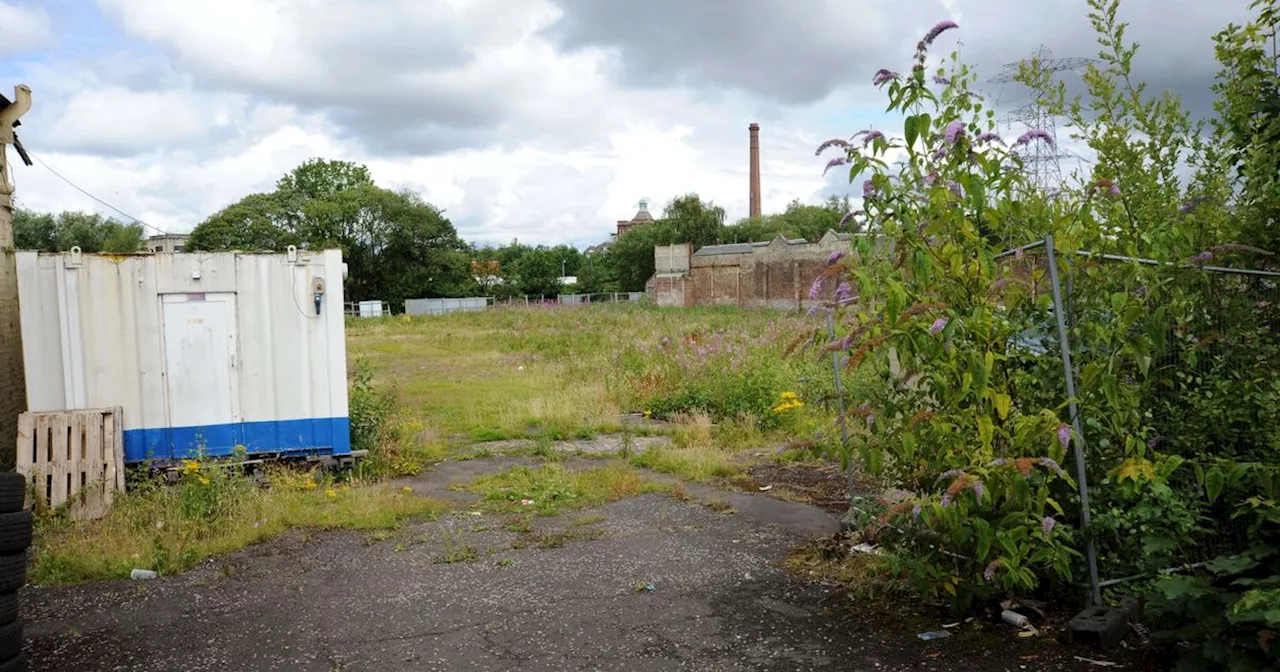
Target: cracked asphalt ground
x=346, y=601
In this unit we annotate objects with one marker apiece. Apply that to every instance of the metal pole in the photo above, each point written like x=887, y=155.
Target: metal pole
x=13, y=386
x=844, y=427
x=1068, y=372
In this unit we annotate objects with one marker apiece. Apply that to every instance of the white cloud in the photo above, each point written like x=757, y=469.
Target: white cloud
x=478, y=104
x=24, y=28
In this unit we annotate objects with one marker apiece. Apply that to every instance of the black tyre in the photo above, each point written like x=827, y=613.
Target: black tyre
x=13, y=491
x=15, y=531
x=13, y=572
x=8, y=608
x=10, y=641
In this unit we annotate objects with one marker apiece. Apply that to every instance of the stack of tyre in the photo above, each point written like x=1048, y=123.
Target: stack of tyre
x=15, y=538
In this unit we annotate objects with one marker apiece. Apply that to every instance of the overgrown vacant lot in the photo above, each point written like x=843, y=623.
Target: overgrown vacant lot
x=564, y=371
x=699, y=394
x=717, y=380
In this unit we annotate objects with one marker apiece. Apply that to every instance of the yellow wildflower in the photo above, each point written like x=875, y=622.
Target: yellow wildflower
x=190, y=466
x=333, y=494
x=204, y=480
x=407, y=489
x=311, y=485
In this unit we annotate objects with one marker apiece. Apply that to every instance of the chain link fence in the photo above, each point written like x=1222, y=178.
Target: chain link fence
x=1200, y=346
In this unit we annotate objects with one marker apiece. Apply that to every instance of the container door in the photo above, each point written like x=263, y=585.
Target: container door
x=200, y=363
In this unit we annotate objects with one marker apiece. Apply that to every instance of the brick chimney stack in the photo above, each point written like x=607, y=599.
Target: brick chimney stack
x=755, y=170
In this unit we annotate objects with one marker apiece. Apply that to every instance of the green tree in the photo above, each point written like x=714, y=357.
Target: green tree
x=692, y=221
x=799, y=220
x=538, y=271
x=632, y=253
x=256, y=222
x=396, y=245
x=1248, y=123
x=91, y=232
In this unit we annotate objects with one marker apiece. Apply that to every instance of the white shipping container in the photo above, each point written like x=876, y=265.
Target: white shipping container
x=203, y=351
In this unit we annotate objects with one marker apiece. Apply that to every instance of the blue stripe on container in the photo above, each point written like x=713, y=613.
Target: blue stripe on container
x=312, y=436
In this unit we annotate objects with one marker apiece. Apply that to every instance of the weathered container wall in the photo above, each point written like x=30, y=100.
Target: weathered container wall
x=204, y=352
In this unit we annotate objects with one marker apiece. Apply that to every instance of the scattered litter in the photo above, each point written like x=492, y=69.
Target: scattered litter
x=142, y=574
x=526, y=502
x=864, y=547
x=1015, y=619
x=1099, y=663
x=1028, y=633
x=938, y=634
x=969, y=620
x=948, y=626
x=766, y=488
x=645, y=587
x=475, y=513
x=520, y=368
x=747, y=576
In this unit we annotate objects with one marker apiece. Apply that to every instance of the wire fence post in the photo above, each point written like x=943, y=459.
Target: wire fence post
x=1077, y=426
x=844, y=427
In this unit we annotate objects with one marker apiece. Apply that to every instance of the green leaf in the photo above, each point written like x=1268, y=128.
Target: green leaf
x=1001, y=402
x=910, y=131
x=1214, y=479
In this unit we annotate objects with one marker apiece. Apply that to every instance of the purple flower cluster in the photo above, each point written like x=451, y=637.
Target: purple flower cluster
x=1064, y=435
x=940, y=154
x=884, y=76
x=871, y=137
x=1034, y=134
x=1053, y=466
x=835, y=163
x=955, y=189
x=922, y=47
x=816, y=287
x=834, y=142
x=843, y=293
x=990, y=572
x=1191, y=205
x=950, y=473
x=988, y=137
x=954, y=131
x=848, y=217
x=944, y=81
x=1202, y=258
x=835, y=256
x=937, y=326
x=938, y=29
x=869, y=189
x=1047, y=524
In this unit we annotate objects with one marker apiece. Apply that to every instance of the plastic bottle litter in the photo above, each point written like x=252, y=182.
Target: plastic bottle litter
x=1015, y=619
x=939, y=634
x=142, y=574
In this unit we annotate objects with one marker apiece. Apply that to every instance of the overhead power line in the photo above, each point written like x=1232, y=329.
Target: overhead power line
x=99, y=200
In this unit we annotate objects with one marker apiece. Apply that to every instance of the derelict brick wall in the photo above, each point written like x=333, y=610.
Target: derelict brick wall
x=13, y=393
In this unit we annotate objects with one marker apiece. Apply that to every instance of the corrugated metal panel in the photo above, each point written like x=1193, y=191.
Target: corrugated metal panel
x=95, y=335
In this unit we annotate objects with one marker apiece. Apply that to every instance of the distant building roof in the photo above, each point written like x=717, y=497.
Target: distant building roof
x=642, y=215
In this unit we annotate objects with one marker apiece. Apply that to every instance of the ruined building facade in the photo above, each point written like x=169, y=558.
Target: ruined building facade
x=775, y=274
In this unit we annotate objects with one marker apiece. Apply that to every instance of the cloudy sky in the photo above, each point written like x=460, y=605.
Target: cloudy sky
x=544, y=120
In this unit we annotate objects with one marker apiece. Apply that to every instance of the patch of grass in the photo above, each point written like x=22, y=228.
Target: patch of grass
x=505, y=562
x=588, y=520
x=559, y=539
x=720, y=506
x=455, y=550
x=829, y=559
x=549, y=489
x=701, y=463
x=171, y=529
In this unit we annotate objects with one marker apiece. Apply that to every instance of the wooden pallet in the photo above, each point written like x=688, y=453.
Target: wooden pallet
x=74, y=457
